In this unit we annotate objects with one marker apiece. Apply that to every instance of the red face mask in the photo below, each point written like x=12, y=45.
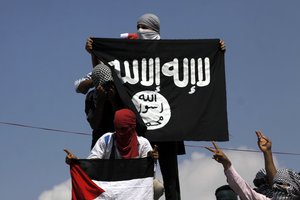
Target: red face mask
x=126, y=136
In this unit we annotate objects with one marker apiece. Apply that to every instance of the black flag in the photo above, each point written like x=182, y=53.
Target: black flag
x=176, y=86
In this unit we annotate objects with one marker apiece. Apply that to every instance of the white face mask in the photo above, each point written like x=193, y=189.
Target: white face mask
x=147, y=34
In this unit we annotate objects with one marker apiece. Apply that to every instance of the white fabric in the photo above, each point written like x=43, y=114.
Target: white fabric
x=241, y=187
x=77, y=82
x=126, y=190
x=124, y=35
x=147, y=34
x=103, y=150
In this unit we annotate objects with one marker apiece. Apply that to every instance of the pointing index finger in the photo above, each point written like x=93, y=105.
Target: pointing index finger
x=68, y=152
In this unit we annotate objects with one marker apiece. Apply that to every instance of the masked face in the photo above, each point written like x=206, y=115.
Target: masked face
x=148, y=34
x=126, y=136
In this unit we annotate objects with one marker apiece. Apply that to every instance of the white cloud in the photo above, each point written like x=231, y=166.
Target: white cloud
x=61, y=191
x=199, y=176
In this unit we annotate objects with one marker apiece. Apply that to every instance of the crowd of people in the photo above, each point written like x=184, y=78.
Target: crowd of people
x=106, y=115
x=115, y=136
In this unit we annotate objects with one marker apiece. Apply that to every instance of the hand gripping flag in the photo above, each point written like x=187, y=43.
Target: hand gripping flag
x=118, y=179
x=177, y=87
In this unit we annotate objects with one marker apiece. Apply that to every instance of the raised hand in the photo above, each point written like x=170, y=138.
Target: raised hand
x=219, y=156
x=222, y=45
x=265, y=146
x=89, y=45
x=263, y=142
x=69, y=156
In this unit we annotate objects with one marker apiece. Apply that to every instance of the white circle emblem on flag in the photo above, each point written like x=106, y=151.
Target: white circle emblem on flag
x=153, y=108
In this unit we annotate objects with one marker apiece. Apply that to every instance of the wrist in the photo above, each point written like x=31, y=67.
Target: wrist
x=227, y=165
x=268, y=152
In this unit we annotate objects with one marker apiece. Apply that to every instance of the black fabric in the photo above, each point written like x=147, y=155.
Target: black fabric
x=180, y=148
x=117, y=169
x=104, y=123
x=113, y=149
x=195, y=94
x=168, y=164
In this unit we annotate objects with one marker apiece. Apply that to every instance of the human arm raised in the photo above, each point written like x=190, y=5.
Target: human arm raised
x=265, y=145
x=89, y=48
x=235, y=181
x=222, y=45
x=84, y=86
x=220, y=156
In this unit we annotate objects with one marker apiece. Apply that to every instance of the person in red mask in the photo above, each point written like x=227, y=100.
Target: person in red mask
x=124, y=143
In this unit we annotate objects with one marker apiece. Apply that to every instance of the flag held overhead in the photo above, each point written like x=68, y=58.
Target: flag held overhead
x=177, y=87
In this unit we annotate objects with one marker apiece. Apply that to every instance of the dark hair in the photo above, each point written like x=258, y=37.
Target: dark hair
x=225, y=192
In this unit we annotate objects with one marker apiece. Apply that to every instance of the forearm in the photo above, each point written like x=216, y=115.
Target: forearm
x=241, y=187
x=89, y=49
x=226, y=165
x=269, y=166
x=84, y=86
x=95, y=60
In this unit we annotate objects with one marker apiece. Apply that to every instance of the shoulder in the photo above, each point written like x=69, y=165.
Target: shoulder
x=144, y=146
x=107, y=135
x=105, y=138
x=142, y=139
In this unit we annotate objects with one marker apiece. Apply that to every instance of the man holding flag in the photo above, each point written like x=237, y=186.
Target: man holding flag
x=108, y=167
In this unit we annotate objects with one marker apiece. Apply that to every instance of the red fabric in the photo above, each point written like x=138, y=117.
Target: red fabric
x=126, y=136
x=133, y=36
x=82, y=185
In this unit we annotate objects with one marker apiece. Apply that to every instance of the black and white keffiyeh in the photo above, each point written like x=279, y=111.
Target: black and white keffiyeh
x=101, y=74
x=261, y=183
x=287, y=181
x=286, y=185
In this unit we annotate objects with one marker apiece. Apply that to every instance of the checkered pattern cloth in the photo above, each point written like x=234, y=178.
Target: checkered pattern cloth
x=286, y=185
x=101, y=74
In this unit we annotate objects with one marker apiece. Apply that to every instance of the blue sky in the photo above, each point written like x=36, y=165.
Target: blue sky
x=42, y=53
